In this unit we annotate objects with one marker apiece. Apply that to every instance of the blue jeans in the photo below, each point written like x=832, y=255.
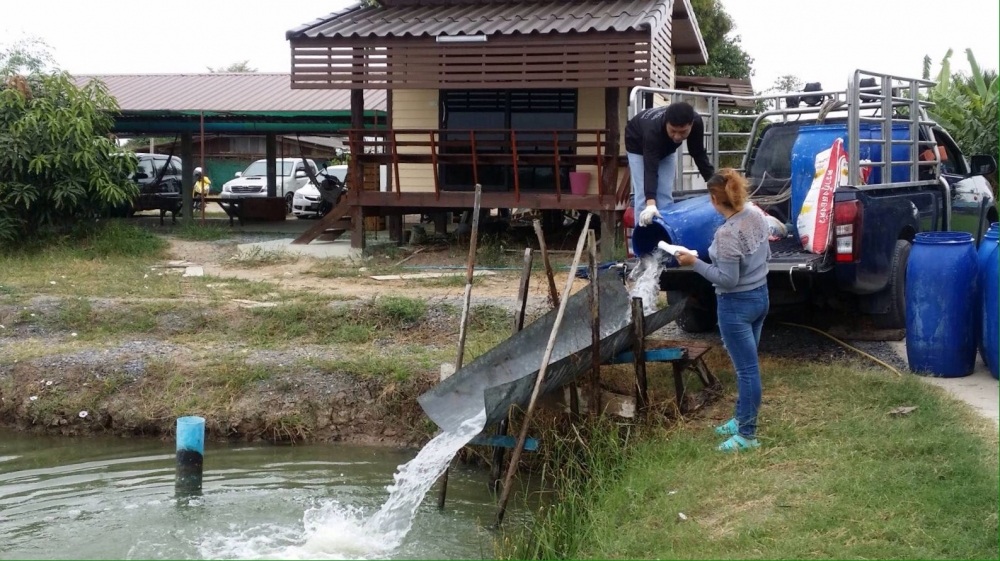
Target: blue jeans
x=741, y=317
x=664, y=184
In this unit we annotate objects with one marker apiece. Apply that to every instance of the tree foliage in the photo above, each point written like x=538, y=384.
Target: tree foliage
x=58, y=164
x=241, y=66
x=24, y=57
x=966, y=106
x=726, y=57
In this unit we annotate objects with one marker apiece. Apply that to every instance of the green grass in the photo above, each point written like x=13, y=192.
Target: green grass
x=398, y=310
x=111, y=260
x=837, y=477
x=203, y=232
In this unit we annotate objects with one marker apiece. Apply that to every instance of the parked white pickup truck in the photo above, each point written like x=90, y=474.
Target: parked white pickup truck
x=252, y=182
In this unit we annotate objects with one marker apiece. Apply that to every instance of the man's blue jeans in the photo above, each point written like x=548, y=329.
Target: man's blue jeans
x=741, y=317
x=664, y=184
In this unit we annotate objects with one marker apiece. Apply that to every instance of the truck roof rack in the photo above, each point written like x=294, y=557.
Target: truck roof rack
x=872, y=100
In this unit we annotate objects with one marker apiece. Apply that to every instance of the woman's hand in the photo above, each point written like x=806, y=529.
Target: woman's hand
x=685, y=259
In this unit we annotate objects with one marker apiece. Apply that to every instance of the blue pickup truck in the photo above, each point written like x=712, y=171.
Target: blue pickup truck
x=918, y=181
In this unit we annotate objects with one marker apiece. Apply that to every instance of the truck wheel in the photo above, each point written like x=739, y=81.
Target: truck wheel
x=699, y=316
x=895, y=316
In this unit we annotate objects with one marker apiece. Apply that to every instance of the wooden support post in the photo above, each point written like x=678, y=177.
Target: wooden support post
x=441, y=223
x=357, y=227
x=540, y=378
x=553, y=295
x=639, y=354
x=595, y=323
x=187, y=178
x=395, y=223
x=679, y=366
x=608, y=234
x=463, y=325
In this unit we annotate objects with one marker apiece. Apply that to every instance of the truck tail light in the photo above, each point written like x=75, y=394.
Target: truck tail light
x=847, y=231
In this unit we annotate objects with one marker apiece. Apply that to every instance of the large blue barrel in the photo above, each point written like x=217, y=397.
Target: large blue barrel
x=813, y=139
x=987, y=245
x=691, y=223
x=991, y=306
x=940, y=304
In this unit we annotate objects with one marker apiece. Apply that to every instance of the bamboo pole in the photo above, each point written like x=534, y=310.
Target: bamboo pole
x=553, y=295
x=470, y=266
x=522, y=301
x=516, y=454
x=639, y=354
x=594, y=408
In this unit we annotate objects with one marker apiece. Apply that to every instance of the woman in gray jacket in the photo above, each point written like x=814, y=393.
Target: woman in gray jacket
x=739, y=254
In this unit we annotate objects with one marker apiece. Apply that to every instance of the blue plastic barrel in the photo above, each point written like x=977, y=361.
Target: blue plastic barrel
x=813, y=139
x=990, y=300
x=691, y=223
x=941, y=277
x=986, y=245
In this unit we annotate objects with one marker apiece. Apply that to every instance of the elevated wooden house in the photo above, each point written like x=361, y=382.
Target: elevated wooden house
x=522, y=97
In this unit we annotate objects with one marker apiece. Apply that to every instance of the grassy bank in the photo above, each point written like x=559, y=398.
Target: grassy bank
x=838, y=477
x=99, y=336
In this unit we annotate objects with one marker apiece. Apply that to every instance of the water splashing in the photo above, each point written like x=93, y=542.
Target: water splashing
x=646, y=279
x=336, y=531
x=415, y=478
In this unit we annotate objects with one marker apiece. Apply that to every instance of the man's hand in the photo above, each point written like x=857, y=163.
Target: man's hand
x=647, y=215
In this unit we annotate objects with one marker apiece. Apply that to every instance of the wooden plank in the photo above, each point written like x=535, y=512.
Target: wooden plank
x=430, y=275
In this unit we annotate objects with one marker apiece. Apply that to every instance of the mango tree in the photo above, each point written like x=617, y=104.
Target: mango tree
x=59, y=165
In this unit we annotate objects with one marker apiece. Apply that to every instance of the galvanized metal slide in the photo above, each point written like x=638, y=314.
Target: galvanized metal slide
x=505, y=375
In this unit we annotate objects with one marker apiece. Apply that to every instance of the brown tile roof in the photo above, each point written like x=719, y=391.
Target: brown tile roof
x=552, y=16
x=235, y=92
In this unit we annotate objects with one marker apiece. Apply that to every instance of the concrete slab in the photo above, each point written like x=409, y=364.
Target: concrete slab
x=980, y=390
x=337, y=249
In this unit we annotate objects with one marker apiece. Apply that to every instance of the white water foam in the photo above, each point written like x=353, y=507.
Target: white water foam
x=415, y=478
x=646, y=279
x=336, y=531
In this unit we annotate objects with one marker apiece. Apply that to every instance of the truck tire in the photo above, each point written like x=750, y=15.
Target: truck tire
x=699, y=316
x=895, y=316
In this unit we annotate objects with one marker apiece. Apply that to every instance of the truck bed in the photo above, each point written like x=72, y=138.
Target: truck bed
x=787, y=254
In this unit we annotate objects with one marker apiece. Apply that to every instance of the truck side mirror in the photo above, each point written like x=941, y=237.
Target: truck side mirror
x=238, y=174
x=300, y=173
x=983, y=164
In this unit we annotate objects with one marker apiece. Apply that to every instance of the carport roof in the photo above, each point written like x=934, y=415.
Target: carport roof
x=233, y=103
x=225, y=92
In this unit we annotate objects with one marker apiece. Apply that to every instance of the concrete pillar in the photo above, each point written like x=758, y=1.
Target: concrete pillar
x=187, y=177
x=271, y=153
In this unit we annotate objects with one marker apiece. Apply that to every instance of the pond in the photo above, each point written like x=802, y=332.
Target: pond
x=109, y=498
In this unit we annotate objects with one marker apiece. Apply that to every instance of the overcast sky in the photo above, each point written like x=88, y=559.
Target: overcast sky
x=813, y=40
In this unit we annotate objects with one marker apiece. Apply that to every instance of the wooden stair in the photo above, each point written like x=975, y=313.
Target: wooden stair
x=334, y=224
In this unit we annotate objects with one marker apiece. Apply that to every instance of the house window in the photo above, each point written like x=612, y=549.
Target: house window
x=536, y=116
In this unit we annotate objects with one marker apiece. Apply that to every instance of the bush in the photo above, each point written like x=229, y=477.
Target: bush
x=59, y=166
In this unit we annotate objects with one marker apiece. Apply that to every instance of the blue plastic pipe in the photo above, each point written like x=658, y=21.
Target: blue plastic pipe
x=190, y=453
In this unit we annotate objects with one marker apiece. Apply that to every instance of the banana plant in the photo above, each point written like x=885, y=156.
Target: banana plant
x=967, y=105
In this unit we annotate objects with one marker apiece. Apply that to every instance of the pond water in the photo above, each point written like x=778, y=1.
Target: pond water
x=107, y=498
